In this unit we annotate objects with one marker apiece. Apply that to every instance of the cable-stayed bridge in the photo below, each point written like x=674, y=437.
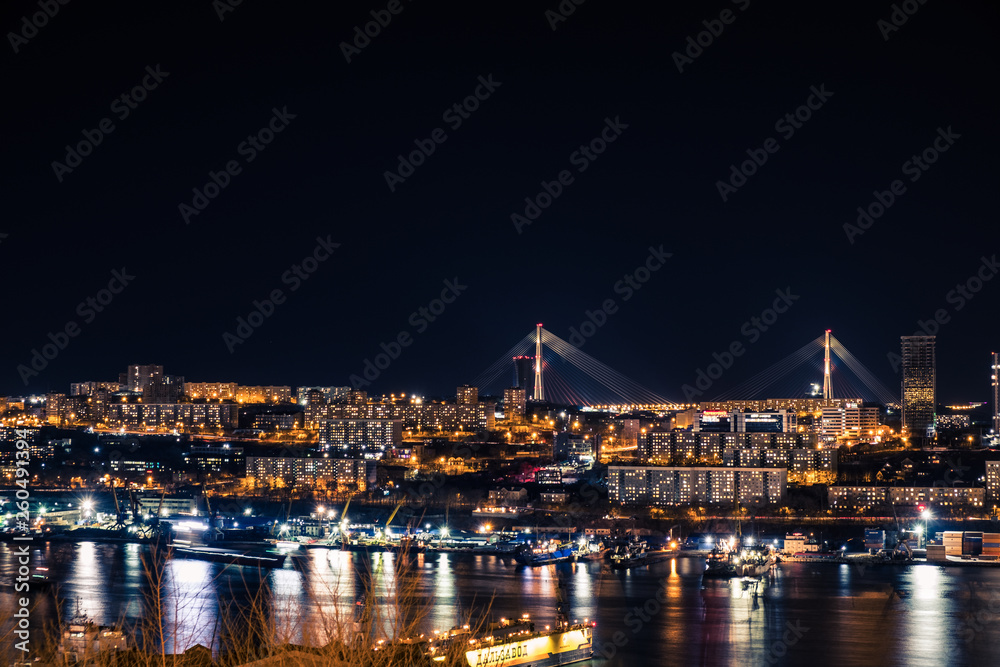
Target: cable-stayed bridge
x=797, y=374
x=553, y=370
x=566, y=375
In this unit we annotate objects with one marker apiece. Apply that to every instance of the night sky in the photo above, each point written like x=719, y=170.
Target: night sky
x=343, y=124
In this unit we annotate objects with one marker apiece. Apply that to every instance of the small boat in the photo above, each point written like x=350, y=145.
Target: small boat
x=40, y=578
x=974, y=560
x=252, y=559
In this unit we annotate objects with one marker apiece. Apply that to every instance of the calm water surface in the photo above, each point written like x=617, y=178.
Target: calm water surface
x=664, y=614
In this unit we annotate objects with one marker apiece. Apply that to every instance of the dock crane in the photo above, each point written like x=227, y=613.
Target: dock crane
x=119, y=515
x=392, y=516
x=344, y=541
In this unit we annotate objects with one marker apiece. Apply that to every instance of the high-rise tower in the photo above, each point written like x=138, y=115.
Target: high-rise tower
x=539, y=390
x=919, y=386
x=995, y=377
x=827, y=389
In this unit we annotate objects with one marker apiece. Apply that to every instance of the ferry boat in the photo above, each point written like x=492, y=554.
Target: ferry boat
x=545, y=553
x=562, y=646
x=514, y=642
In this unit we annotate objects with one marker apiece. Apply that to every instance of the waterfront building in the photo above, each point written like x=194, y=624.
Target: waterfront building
x=307, y=472
x=652, y=485
x=938, y=496
x=169, y=505
x=866, y=498
x=857, y=498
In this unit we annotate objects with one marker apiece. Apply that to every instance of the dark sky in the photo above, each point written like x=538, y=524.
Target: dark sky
x=656, y=185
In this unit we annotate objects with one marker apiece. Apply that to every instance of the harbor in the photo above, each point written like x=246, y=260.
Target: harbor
x=880, y=607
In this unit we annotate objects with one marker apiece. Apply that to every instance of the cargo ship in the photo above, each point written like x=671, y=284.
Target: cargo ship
x=230, y=557
x=545, y=553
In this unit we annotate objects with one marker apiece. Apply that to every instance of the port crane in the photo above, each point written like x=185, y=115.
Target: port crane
x=119, y=513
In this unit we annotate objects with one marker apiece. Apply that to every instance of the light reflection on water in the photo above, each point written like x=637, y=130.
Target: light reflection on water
x=662, y=614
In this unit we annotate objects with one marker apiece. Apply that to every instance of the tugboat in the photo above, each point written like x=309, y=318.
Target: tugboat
x=632, y=553
x=82, y=640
